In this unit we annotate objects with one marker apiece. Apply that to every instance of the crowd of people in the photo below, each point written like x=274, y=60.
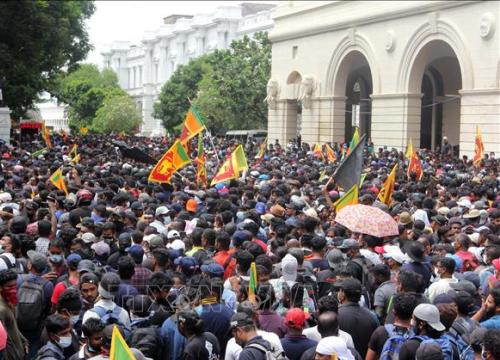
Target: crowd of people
x=169, y=265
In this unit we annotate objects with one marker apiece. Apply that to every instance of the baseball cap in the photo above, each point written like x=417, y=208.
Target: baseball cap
x=89, y=238
x=405, y=218
x=101, y=248
x=260, y=207
x=188, y=264
x=277, y=210
x=172, y=234
x=464, y=285
x=440, y=219
x=334, y=345
x=464, y=202
x=427, y=351
x=296, y=318
x=349, y=285
x=139, y=304
x=239, y=237
x=471, y=276
x=136, y=252
x=191, y=205
x=213, y=269
x=156, y=241
x=496, y=264
x=177, y=244
x=349, y=244
x=38, y=260
x=430, y=314
x=241, y=319
x=86, y=266
x=334, y=257
x=73, y=259
x=161, y=210
x=137, y=205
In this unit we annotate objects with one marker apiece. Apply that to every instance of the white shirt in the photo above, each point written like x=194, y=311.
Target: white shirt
x=442, y=286
x=370, y=255
x=158, y=225
x=108, y=305
x=3, y=264
x=312, y=333
x=233, y=350
x=420, y=214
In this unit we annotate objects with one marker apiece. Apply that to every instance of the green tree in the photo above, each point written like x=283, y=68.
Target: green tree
x=117, y=114
x=85, y=90
x=38, y=40
x=232, y=92
x=180, y=88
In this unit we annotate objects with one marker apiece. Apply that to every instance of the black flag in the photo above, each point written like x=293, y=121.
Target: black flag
x=349, y=171
x=134, y=153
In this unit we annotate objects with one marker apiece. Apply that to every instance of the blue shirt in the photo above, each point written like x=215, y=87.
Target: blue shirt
x=173, y=341
x=217, y=320
x=125, y=292
x=420, y=268
x=492, y=323
x=295, y=345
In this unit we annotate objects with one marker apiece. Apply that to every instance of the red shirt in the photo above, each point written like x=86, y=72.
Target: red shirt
x=468, y=259
x=221, y=258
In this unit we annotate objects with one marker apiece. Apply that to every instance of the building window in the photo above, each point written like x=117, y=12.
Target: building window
x=140, y=75
x=135, y=77
x=129, y=78
x=156, y=72
x=226, y=36
x=295, y=50
x=202, y=44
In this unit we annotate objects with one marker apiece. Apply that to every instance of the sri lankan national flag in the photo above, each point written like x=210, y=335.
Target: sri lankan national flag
x=231, y=168
x=349, y=198
x=354, y=140
x=317, y=151
x=415, y=166
x=173, y=160
x=46, y=136
x=478, y=148
x=385, y=194
x=193, y=125
x=119, y=348
x=201, y=170
x=73, y=154
x=252, y=286
x=58, y=180
x=330, y=154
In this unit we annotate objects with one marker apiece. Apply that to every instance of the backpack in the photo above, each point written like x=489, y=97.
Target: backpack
x=464, y=349
x=392, y=345
x=16, y=266
x=271, y=354
x=148, y=341
x=366, y=266
x=109, y=317
x=30, y=308
x=447, y=347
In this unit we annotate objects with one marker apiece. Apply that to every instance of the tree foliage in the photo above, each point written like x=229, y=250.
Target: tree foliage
x=228, y=86
x=38, y=39
x=180, y=88
x=85, y=90
x=232, y=93
x=117, y=114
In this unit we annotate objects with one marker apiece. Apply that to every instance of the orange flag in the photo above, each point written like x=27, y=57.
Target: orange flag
x=385, y=195
x=317, y=151
x=193, y=125
x=330, y=154
x=415, y=166
x=478, y=148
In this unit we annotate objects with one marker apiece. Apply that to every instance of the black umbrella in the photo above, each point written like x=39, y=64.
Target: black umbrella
x=134, y=153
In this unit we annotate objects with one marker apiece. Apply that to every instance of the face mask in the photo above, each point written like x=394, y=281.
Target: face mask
x=65, y=341
x=74, y=319
x=10, y=296
x=93, y=350
x=436, y=273
x=485, y=260
x=56, y=258
x=167, y=220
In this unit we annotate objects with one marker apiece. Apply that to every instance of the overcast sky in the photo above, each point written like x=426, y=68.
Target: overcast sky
x=128, y=20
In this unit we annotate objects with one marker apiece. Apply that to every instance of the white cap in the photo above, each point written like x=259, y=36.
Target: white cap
x=89, y=238
x=5, y=197
x=173, y=234
x=334, y=345
x=464, y=202
x=289, y=267
x=177, y=244
x=161, y=210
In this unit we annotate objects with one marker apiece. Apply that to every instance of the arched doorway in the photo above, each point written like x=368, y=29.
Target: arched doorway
x=293, y=106
x=436, y=74
x=354, y=81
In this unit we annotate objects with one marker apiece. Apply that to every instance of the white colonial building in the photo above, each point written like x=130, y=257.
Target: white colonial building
x=142, y=69
x=397, y=69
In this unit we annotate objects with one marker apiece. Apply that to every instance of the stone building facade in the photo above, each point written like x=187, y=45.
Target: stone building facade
x=143, y=69
x=397, y=69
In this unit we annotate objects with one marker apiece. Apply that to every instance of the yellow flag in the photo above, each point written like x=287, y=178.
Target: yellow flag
x=58, y=180
x=385, y=195
x=349, y=198
x=409, y=149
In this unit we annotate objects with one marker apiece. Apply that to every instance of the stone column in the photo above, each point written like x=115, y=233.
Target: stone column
x=5, y=124
x=148, y=90
x=480, y=107
x=396, y=118
x=337, y=119
x=163, y=64
x=282, y=121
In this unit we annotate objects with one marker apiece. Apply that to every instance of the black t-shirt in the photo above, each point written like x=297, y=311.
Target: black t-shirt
x=202, y=347
x=409, y=349
x=380, y=336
